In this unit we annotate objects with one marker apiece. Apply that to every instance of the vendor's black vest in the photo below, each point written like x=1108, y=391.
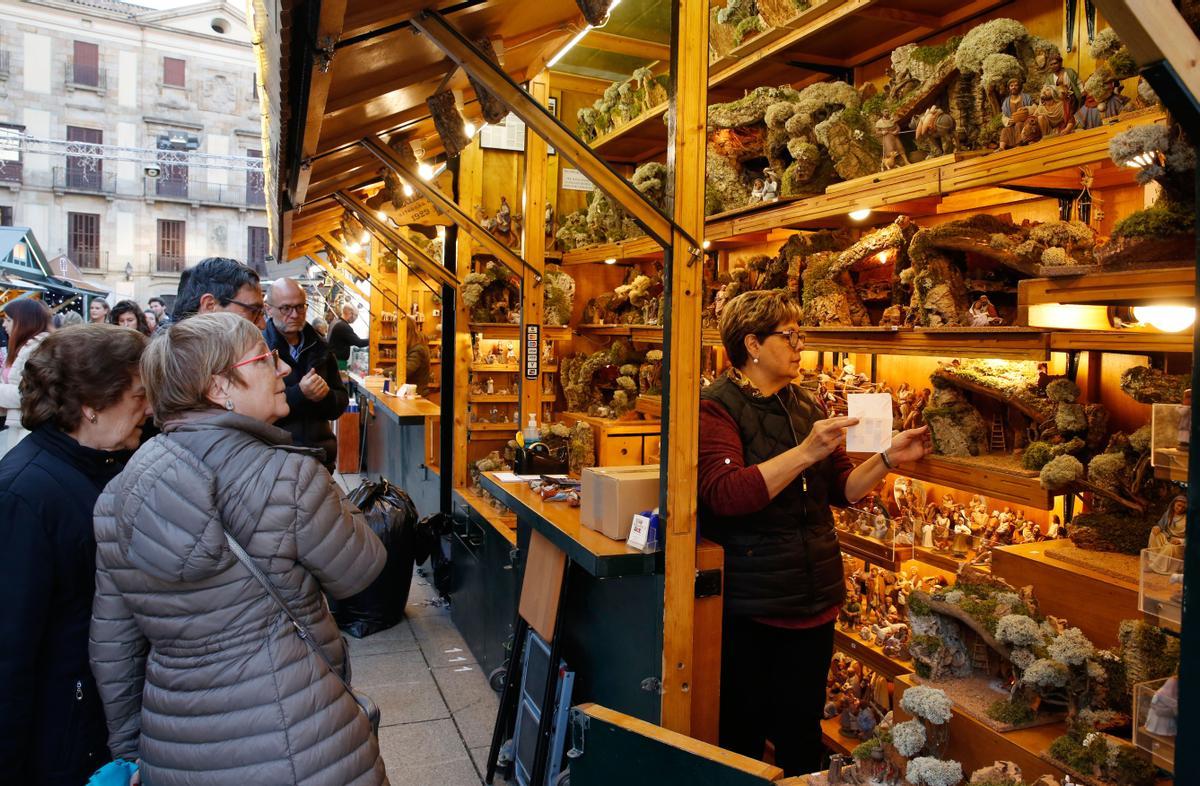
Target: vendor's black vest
x=784, y=560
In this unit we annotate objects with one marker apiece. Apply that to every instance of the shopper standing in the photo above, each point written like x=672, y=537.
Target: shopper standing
x=770, y=465
x=203, y=677
x=98, y=311
x=220, y=284
x=84, y=403
x=159, y=308
x=342, y=335
x=314, y=389
x=417, y=356
x=128, y=314
x=28, y=323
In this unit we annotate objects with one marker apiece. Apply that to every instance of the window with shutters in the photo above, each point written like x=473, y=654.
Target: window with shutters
x=85, y=173
x=85, y=66
x=171, y=245
x=174, y=72
x=257, y=245
x=83, y=239
x=10, y=153
x=255, y=197
x=6, y=215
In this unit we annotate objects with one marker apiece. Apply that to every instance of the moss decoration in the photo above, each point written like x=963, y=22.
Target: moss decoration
x=491, y=295
x=558, y=296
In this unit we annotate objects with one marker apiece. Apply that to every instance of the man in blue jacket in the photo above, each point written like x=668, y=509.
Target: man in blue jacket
x=315, y=393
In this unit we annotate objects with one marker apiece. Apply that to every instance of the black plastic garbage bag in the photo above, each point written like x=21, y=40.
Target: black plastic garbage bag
x=392, y=516
x=431, y=544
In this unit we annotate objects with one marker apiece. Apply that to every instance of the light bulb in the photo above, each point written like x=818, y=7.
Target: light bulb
x=425, y=171
x=469, y=128
x=1168, y=319
x=354, y=248
x=610, y=261
x=408, y=191
x=860, y=214
x=706, y=244
x=382, y=216
x=366, y=238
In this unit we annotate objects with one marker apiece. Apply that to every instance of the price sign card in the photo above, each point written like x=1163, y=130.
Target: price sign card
x=874, y=430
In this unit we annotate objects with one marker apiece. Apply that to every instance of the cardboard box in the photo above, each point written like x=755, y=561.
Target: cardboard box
x=610, y=496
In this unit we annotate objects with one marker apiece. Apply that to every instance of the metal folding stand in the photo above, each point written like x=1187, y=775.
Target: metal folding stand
x=540, y=606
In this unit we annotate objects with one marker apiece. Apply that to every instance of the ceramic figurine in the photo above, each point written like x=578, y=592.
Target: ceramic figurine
x=1063, y=81
x=491, y=386
x=510, y=354
x=888, y=132
x=1183, y=434
x=1167, y=537
x=549, y=219
x=1015, y=112
x=1164, y=709
x=938, y=130
x=494, y=414
x=756, y=192
x=770, y=185
x=983, y=314
x=503, y=217
x=1088, y=116
x=1052, y=114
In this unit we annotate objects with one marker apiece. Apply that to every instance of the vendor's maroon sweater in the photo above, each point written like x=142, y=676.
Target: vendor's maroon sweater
x=728, y=487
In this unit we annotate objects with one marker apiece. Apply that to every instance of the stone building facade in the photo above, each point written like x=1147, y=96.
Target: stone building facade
x=110, y=72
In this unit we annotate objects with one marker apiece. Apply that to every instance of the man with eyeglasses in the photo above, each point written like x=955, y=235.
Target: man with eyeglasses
x=220, y=284
x=314, y=389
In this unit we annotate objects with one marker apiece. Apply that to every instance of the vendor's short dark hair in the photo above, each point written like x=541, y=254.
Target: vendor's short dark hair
x=754, y=313
x=90, y=365
x=156, y=299
x=220, y=277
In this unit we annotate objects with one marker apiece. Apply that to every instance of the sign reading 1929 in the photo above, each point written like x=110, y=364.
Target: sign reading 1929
x=532, y=353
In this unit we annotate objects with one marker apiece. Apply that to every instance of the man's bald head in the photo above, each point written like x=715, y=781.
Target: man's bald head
x=288, y=307
x=349, y=312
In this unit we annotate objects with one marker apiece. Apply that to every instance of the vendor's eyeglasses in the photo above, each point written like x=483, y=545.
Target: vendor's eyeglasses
x=794, y=337
x=273, y=354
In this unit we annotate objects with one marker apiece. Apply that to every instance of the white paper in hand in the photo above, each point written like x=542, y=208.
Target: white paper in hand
x=874, y=430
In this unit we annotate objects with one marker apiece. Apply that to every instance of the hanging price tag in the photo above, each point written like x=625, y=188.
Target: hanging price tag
x=533, y=351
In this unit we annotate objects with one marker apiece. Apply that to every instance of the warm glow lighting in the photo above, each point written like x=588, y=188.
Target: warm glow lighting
x=441, y=231
x=469, y=128
x=354, y=248
x=1168, y=319
x=859, y=215
x=382, y=216
x=366, y=238
x=1141, y=160
x=885, y=256
x=408, y=191
x=706, y=244
x=425, y=171
x=610, y=261
x=575, y=39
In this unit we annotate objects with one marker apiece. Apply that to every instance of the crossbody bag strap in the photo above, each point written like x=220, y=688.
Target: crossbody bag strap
x=301, y=629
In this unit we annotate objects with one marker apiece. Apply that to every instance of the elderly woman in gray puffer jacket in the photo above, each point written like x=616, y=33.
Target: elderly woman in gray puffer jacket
x=203, y=677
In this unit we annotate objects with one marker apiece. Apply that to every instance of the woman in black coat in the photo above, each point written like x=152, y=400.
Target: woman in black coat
x=84, y=403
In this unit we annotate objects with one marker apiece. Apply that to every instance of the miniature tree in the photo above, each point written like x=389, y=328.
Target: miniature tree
x=928, y=771
x=934, y=709
x=908, y=738
x=1067, y=673
x=1162, y=155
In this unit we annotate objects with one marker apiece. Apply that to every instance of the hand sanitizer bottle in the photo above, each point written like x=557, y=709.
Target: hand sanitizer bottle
x=531, y=430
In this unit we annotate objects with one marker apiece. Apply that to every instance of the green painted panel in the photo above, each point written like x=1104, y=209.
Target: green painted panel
x=613, y=755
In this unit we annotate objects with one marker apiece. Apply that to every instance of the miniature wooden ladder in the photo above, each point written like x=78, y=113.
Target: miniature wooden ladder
x=999, y=443
x=979, y=656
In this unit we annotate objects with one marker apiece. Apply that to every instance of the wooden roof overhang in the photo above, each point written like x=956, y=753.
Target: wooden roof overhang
x=355, y=69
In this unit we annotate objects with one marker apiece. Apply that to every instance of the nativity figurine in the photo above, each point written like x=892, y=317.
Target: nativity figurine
x=888, y=132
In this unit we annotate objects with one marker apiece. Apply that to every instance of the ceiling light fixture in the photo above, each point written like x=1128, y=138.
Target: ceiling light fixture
x=706, y=244
x=382, y=216
x=469, y=128
x=575, y=39
x=408, y=191
x=860, y=214
x=366, y=238
x=354, y=248
x=610, y=261
x=425, y=171
x=1168, y=319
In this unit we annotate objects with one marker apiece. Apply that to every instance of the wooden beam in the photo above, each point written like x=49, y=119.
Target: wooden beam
x=340, y=275
x=533, y=248
x=431, y=192
x=545, y=125
x=344, y=101
x=681, y=392
x=329, y=29
x=388, y=124
x=416, y=259
x=903, y=16
x=623, y=45
x=360, y=266
x=470, y=193
x=561, y=80
x=1155, y=31
x=347, y=179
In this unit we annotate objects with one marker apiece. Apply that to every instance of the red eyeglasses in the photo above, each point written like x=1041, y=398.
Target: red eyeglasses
x=273, y=354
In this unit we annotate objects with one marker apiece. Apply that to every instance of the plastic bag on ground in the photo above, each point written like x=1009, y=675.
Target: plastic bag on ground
x=392, y=516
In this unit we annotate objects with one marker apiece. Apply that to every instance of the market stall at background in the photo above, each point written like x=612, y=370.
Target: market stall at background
x=351, y=138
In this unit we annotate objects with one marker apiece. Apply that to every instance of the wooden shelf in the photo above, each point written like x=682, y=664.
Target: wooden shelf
x=1007, y=343
x=874, y=552
x=888, y=193
x=1125, y=287
x=503, y=523
x=975, y=744
x=501, y=369
x=484, y=398
x=650, y=406
x=831, y=736
x=1127, y=342
x=983, y=477
x=504, y=427
x=1087, y=599
x=869, y=655
x=646, y=334
x=603, y=330
x=507, y=330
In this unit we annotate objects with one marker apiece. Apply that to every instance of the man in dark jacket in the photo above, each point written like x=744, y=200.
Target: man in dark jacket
x=314, y=390
x=342, y=336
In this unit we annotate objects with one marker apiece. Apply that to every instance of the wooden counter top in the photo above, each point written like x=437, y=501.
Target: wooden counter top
x=406, y=409
x=596, y=553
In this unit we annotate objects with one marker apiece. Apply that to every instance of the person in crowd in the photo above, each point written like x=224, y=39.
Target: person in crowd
x=28, y=324
x=151, y=320
x=770, y=465
x=314, y=390
x=159, y=308
x=70, y=319
x=220, y=284
x=417, y=360
x=128, y=314
x=342, y=335
x=83, y=403
x=322, y=327
x=98, y=311
x=201, y=675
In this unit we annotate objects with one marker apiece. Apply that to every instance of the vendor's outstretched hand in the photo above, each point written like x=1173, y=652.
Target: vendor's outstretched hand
x=911, y=445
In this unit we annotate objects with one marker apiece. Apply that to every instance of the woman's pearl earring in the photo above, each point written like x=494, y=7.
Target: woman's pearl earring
x=755, y=360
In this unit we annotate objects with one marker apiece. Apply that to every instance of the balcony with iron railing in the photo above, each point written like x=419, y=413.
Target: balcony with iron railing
x=187, y=189
x=82, y=179
x=86, y=76
x=5, y=64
